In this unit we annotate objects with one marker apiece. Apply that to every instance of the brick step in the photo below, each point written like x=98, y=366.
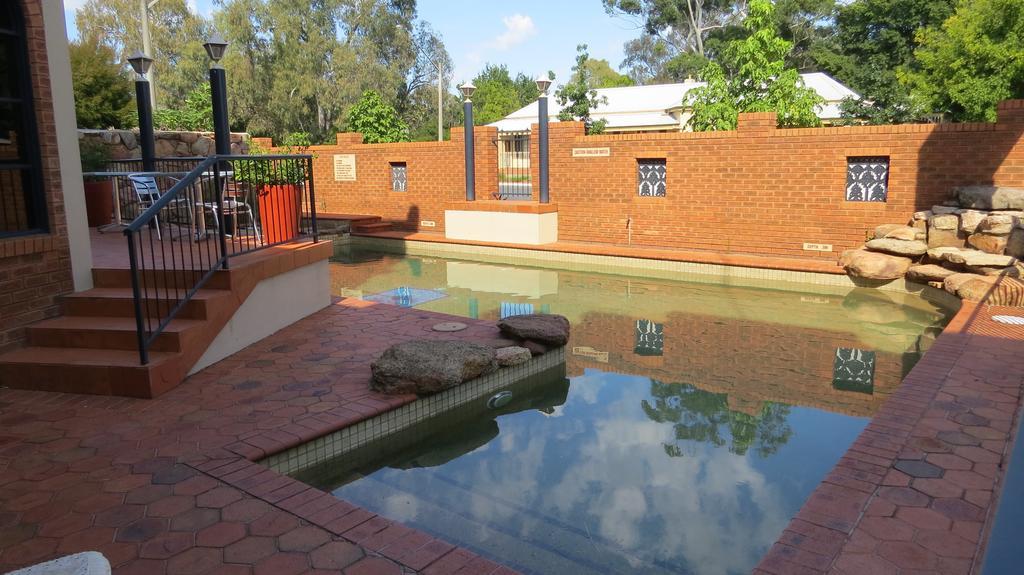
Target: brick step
x=118, y=302
x=114, y=333
x=153, y=280
x=370, y=228
x=87, y=370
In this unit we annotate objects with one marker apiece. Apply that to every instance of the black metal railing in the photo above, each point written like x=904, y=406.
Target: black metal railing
x=167, y=171
x=514, y=173
x=223, y=207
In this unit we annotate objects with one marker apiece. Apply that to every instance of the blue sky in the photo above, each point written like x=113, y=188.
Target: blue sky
x=530, y=36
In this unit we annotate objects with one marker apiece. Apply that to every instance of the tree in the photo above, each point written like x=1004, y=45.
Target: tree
x=103, y=92
x=577, y=98
x=498, y=94
x=195, y=114
x=759, y=82
x=682, y=24
x=973, y=61
x=177, y=35
x=873, y=45
x=376, y=120
x=601, y=75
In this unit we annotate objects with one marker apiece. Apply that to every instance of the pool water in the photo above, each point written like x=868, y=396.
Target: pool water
x=694, y=420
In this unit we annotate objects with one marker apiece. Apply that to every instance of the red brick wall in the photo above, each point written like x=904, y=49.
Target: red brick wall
x=35, y=270
x=756, y=190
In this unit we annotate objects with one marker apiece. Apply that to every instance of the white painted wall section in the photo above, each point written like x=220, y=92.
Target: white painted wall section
x=274, y=304
x=501, y=227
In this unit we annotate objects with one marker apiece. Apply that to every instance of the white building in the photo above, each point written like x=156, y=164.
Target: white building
x=659, y=107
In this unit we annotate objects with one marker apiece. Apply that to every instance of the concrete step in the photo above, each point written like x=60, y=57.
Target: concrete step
x=88, y=370
x=118, y=302
x=370, y=228
x=114, y=333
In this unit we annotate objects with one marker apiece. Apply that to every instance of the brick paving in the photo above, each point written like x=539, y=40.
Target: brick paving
x=917, y=491
x=167, y=486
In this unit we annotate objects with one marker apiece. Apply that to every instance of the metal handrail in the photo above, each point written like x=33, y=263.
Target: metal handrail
x=186, y=270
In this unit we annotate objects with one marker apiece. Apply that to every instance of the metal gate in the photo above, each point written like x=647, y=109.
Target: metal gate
x=514, y=174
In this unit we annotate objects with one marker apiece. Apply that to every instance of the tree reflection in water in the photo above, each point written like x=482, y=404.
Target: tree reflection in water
x=705, y=417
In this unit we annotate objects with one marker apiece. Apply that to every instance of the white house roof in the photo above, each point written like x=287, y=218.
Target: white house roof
x=649, y=106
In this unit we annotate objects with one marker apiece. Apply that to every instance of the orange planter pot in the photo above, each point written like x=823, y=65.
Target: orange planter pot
x=99, y=202
x=279, y=212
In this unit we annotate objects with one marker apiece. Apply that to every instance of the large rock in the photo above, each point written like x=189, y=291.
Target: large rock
x=928, y=273
x=894, y=231
x=979, y=259
x=944, y=210
x=896, y=247
x=873, y=265
x=969, y=220
x=512, y=355
x=952, y=283
x=988, y=243
x=944, y=222
x=993, y=290
x=942, y=254
x=1015, y=244
x=547, y=329
x=942, y=238
x=990, y=197
x=997, y=224
x=424, y=367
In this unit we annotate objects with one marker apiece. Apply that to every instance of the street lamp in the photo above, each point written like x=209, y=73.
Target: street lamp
x=543, y=83
x=142, y=63
x=467, y=90
x=215, y=48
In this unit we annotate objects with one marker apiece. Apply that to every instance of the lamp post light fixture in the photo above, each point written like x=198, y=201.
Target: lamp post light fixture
x=543, y=83
x=467, y=90
x=215, y=48
x=142, y=63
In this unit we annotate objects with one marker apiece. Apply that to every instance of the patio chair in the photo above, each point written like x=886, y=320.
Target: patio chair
x=234, y=206
x=146, y=193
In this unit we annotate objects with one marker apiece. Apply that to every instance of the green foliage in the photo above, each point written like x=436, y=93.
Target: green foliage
x=760, y=81
x=177, y=34
x=103, y=93
x=261, y=173
x=873, y=45
x=577, y=98
x=601, y=75
x=498, y=94
x=194, y=115
x=972, y=62
x=376, y=120
x=94, y=155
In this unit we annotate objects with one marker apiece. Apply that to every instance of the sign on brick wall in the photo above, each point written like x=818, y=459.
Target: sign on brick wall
x=591, y=152
x=344, y=167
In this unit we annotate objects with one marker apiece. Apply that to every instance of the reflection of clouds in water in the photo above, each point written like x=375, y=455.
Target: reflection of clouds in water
x=712, y=507
x=401, y=507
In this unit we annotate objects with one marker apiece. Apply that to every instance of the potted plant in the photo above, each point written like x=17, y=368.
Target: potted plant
x=278, y=186
x=99, y=190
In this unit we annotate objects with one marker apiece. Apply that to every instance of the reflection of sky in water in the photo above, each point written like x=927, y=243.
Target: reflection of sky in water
x=632, y=474
x=595, y=490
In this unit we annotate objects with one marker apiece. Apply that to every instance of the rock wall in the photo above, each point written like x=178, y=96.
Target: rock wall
x=125, y=143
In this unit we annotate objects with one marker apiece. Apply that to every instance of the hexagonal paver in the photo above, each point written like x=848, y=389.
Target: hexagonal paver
x=918, y=468
x=120, y=515
x=166, y=545
x=218, y=497
x=305, y=538
x=220, y=534
x=141, y=530
x=65, y=525
x=335, y=555
x=195, y=561
x=282, y=564
x=195, y=519
x=887, y=528
x=249, y=550
x=245, y=511
x=374, y=566
x=923, y=518
x=170, y=506
x=906, y=555
x=273, y=523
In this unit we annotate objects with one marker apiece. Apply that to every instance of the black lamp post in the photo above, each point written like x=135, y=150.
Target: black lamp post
x=141, y=63
x=215, y=47
x=467, y=90
x=543, y=83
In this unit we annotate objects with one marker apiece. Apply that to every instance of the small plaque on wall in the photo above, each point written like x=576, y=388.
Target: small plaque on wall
x=591, y=152
x=344, y=167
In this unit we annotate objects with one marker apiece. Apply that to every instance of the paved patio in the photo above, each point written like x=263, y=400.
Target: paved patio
x=169, y=486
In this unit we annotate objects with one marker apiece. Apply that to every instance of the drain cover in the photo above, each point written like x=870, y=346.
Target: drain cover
x=1010, y=319
x=449, y=326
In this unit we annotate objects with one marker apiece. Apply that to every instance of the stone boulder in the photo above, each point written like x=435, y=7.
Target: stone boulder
x=944, y=222
x=997, y=224
x=944, y=210
x=1015, y=244
x=895, y=231
x=979, y=259
x=546, y=329
x=512, y=355
x=928, y=273
x=969, y=220
x=990, y=197
x=912, y=248
x=988, y=243
x=940, y=238
x=952, y=283
x=993, y=290
x=424, y=367
x=1009, y=271
x=873, y=265
x=942, y=254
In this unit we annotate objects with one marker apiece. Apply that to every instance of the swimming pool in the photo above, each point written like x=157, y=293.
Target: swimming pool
x=693, y=422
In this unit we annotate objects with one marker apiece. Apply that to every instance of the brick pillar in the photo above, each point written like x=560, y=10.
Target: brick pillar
x=756, y=122
x=1010, y=112
x=486, y=154
x=346, y=138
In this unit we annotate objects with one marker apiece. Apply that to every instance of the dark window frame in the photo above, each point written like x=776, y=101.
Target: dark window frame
x=28, y=165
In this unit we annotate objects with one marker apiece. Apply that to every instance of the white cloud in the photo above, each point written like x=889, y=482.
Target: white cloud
x=517, y=29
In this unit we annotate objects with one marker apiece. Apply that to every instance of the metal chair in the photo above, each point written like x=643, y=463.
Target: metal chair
x=235, y=206
x=147, y=192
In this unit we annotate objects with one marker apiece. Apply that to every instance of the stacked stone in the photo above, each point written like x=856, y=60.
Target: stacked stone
x=972, y=247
